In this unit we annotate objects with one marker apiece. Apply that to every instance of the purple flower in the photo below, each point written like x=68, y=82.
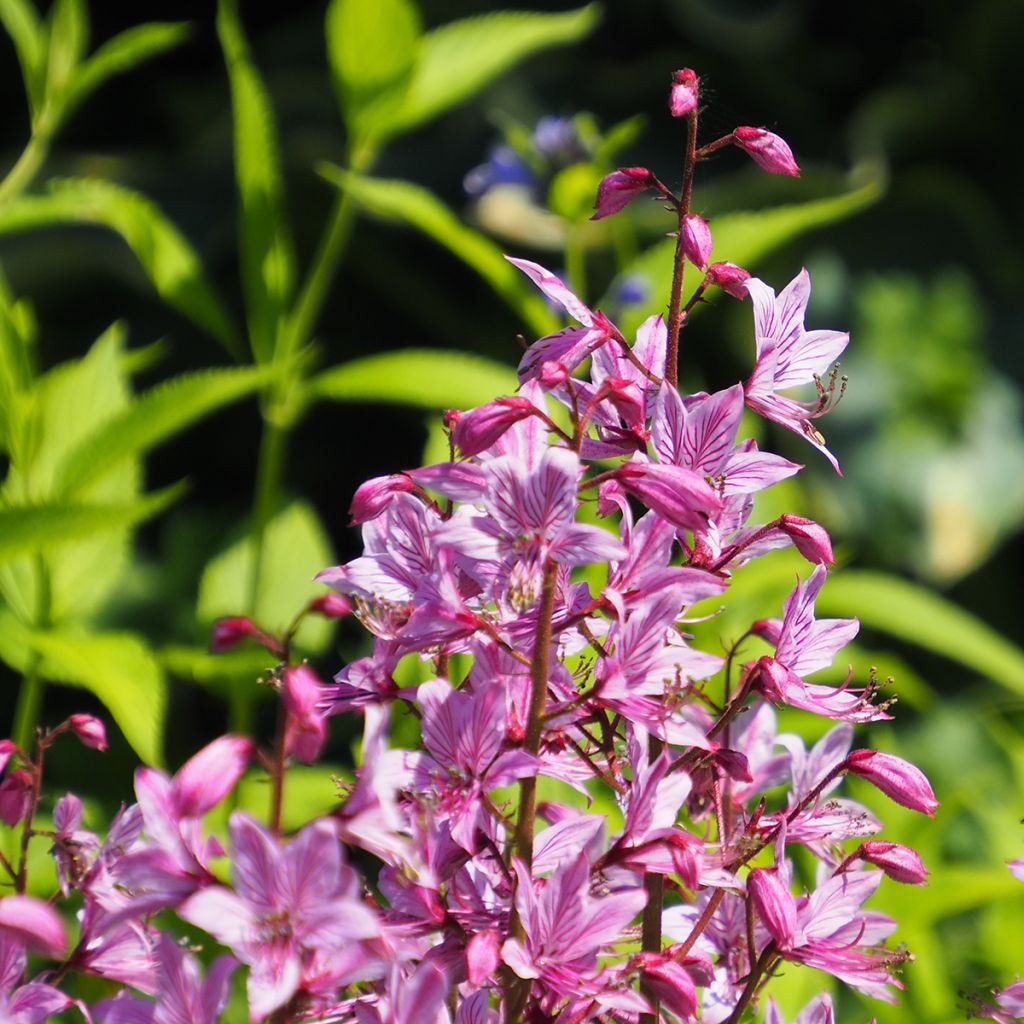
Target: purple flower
x=34, y=1003
x=787, y=356
x=287, y=904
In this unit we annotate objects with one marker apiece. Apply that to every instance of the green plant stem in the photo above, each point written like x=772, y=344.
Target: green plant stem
x=30, y=702
x=20, y=176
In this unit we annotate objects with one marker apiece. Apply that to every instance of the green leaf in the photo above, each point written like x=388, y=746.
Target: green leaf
x=159, y=414
x=29, y=37
x=69, y=37
x=122, y=53
x=17, y=336
x=747, y=237
x=457, y=60
x=117, y=667
x=219, y=673
x=909, y=612
x=264, y=240
x=432, y=379
x=31, y=528
x=167, y=258
x=372, y=47
x=295, y=549
x=404, y=202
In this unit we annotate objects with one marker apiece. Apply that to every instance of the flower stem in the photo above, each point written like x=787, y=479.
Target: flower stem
x=675, y=309
x=20, y=176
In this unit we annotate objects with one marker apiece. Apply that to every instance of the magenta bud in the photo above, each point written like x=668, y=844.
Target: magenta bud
x=7, y=748
x=15, y=796
x=769, y=151
x=810, y=539
x=229, y=632
x=374, y=496
x=899, y=862
x=620, y=188
x=33, y=923
x=729, y=277
x=90, y=730
x=331, y=606
x=696, y=240
x=774, y=903
x=676, y=493
x=306, y=732
x=479, y=428
x=669, y=982
x=207, y=777
x=682, y=100
x=897, y=779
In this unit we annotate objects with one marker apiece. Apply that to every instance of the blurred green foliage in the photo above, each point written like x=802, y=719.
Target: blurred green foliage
x=349, y=306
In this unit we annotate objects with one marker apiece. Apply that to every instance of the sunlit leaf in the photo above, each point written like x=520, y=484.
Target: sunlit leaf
x=168, y=259
x=219, y=673
x=433, y=379
x=122, y=53
x=264, y=240
x=456, y=60
x=152, y=418
x=371, y=47
x=406, y=203
x=29, y=37
x=912, y=613
x=295, y=549
x=118, y=668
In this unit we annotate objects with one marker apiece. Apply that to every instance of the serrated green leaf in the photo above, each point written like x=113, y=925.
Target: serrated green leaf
x=406, y=203
x=457, y=60
x=431, y=379
x=159, y=414
x=295, y=549
x=29, y=37
x=747, y=237
x=168, y=259
x=264, y=238
x=69, y=38
x=118, y=668
x=371, y=49
x=912, y=613
x=122, y=53
x=31, y=528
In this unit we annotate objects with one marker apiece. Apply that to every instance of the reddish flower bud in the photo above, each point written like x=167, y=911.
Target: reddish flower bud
x=619, y=188
x=899, y=862
x=810, y=539
x=331, y=606
x=207, y=777
x=451, y=418
x=373, y=497
x=33, y=923
x=669, y=983
x=15, y=794
x=682, y=99
x=897, y=779
x=7, y=748
x=679, y=495
x=696, y=240
x=729, y=277
x=479, y=428
x=90, y=730
x=767, y=150
x=306, y=730
x=774, y=903
x=229, y=632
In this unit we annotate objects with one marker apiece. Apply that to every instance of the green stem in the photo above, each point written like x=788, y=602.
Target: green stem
x=30, y=703
x=20, y=176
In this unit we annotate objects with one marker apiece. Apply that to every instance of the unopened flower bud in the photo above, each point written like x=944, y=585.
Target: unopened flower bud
x=90, y=730
x=479, y=428
x=229, y=632
x=374, y=496
x=15, y=794
x=682, y=99
x=729, y=277
x=331, y=606
x=897, y=779
x=810, y=539
x=899, y=862
x=7, y=748
x=619, y=188
x=696, y=240
x=669, y=982
x=774, y=903
x=770, y=152
x=451, y=418
x=306, y=730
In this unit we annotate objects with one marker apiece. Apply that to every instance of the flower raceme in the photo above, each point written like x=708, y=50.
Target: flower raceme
x=540, y=584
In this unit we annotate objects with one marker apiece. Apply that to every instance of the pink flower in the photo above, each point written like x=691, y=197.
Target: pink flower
x=683, y=97
x=729, y=277
x=696, y=240
x=302, y=693
x=620, y=188
x=767, y=150
x=897, y=779
x=34, y=1003
x=33, y=923
x=899, y=862
x=90, y=730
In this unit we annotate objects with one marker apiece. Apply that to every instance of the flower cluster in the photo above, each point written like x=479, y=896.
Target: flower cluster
x=541, y=579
